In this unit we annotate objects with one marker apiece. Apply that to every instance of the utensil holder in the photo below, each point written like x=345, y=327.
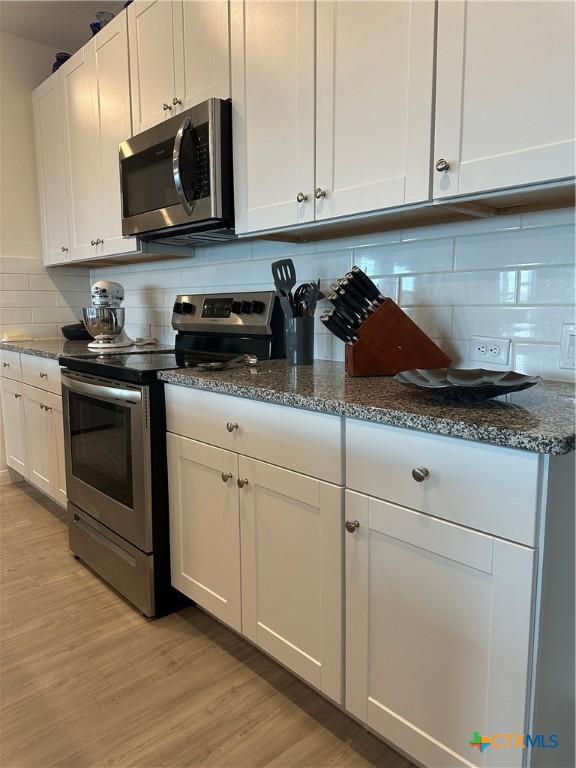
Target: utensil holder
x=300, y=340
x=390, y=342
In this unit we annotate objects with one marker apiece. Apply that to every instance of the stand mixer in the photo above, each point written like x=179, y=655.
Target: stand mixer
x=104, y=320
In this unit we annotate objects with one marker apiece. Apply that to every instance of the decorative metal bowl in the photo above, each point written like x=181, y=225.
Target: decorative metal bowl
x=467, y=384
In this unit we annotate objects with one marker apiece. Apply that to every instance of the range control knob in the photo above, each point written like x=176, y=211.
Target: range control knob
x=187, y=308
x=258, y=307
x=246, y=307
x=236, y=307
x=178, y=307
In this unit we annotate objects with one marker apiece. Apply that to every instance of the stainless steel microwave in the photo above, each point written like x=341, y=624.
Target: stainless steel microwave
x=176, y=178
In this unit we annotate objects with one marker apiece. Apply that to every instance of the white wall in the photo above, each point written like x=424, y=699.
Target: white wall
x=34, y=301
x=511, y=276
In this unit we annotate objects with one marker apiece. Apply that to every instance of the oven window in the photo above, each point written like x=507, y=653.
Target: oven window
x=100, y=444
x=148, y=179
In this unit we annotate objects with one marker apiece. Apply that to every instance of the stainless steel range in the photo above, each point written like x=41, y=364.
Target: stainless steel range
x=115, y=442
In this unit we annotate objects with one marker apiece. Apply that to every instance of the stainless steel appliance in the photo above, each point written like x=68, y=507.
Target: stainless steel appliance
x=104, y=320
x=176, y=177
x=115, y=443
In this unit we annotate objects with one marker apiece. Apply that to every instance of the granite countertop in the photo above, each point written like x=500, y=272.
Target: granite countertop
x=541, y=419
x=55, y=348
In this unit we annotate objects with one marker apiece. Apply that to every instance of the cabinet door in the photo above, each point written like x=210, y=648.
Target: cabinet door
x=204, y=526
x=78, y=83
x=150, y=29
x=504, y=94
x=14, y=426
x=273, y=50
x=375, y=65
x=438, y=633
x=201, y=51
x=41, y=439
x=291, y=528
x=50, y=157
x=115, y=125
x=58, y=431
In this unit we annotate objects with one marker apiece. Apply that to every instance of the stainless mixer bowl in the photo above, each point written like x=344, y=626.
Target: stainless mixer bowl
x=103, y=322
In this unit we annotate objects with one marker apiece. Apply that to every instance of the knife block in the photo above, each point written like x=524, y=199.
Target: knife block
x=390, y=342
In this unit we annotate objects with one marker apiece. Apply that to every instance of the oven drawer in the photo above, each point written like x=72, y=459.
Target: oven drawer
x=41, y=372
x=11, y=364
x=129, y=571
x=303, y=441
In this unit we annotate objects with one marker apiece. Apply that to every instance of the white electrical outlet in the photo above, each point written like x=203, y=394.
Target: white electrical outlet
x=568, y=345
x=485, y=349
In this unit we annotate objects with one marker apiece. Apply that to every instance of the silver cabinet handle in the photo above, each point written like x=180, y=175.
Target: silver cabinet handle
x=176, y=101
x=231, y=427
x=166, y=107
x=64, y=249
x=43, y=375
x=5, y=365
x=420, y=474
x=442, y=165
x=226, y=476
x=319, y=193
x=301, y=197
x=241, y=483
x=352, y=526
x=16, y=395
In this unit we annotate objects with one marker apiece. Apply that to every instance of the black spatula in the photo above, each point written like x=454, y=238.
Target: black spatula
x=284, y=275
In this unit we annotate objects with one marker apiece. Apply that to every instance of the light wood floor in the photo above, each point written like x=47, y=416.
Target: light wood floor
x=86, y=681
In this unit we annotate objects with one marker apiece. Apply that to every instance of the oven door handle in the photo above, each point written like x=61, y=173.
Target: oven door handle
x=186, y=204
x=99, y=390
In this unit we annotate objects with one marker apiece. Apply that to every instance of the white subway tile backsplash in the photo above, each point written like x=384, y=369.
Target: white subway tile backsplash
x=12, y=265
x=553, y=285
x=552, y=218
x=14, y=282
x=402, y=258
x=23, y=299
x=470, y=227
x=55, y=315
x=458, y=288
x=540, y=359
x=15, y=315
x=516, y=248
x=435, y=321
x=521, y=323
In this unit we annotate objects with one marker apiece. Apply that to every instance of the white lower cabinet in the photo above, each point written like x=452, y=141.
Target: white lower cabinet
x=291, y=529
x=44, y=435
x=438, y=633
x=204, y=526
x=14, y=429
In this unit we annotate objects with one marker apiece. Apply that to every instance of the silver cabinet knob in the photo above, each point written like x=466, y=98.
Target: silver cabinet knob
x=16, y=395
x=176, y=101
x=442, y=165
x=301, y=197
x=92, y=242
x=43, y=375
x=5, y=365
x=352, y=526
x=319, y=193
x=231, y=427
x=64, y=249
x=226, y=476
x=42, y=406
x=166, y=107
x=47, y=407
x=241, y=483
x=420, y=474
x=99, y=241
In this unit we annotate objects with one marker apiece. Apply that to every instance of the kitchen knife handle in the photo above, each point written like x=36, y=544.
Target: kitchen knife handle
x=364, y=281
x=360, y=308
x=348, y=315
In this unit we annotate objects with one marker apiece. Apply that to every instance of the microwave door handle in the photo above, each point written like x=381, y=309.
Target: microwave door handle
x=186, y=204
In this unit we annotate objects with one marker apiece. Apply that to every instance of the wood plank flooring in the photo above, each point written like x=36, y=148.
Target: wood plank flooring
x=87, y=682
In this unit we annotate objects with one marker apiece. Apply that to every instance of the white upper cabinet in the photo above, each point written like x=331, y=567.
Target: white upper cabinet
x=78, y=82
x=504, y=94
x=151, y=34
x=115, y=125
x=201, y=51
x=179, y=56
x=50, y=158
x=373, y=104
x=273, y=49
x=438, y=633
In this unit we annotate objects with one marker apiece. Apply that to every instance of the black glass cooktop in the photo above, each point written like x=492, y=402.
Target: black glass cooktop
x=137, y=367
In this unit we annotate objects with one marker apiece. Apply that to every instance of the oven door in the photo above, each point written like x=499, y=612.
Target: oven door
x=171, y=174
x=107, y=447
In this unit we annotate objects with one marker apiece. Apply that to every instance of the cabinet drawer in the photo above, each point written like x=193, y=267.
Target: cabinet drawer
x=41, y=372
x=11, y=364
x=481, y=486
x=306, y=442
